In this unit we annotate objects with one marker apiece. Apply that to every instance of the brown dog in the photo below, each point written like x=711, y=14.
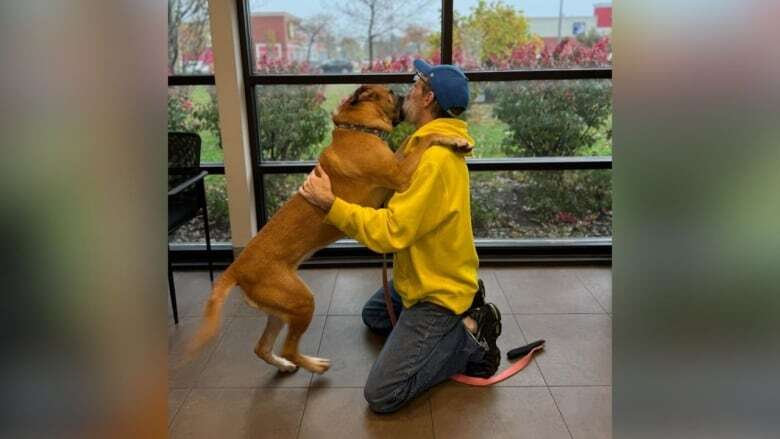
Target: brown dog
x=363, y=170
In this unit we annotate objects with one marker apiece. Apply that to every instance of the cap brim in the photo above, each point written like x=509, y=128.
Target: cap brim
x=422, y=67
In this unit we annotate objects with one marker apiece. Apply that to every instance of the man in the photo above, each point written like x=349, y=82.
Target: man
x=443, y=328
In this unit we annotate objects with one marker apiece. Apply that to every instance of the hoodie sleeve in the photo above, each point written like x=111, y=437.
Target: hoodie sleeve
x=409, y=215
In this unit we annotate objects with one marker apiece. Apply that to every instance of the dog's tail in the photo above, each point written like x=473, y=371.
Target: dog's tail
x=213, y=312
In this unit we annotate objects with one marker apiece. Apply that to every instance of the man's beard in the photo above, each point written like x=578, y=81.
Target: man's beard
x=409, y=111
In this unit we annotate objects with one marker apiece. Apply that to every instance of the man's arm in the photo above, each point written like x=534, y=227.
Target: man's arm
x=409, y=214
x=317, y=190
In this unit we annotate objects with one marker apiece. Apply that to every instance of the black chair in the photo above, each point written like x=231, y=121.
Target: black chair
x=186, y=196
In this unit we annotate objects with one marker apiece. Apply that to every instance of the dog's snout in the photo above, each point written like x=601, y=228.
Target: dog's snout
x=398, y=115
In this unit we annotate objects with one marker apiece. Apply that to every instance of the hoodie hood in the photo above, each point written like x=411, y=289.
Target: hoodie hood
x=445, y=126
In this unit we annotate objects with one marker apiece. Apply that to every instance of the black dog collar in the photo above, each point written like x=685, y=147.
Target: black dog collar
x=375, y=131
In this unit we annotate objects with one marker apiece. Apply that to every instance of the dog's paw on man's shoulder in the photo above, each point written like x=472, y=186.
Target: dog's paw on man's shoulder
x=458, y=144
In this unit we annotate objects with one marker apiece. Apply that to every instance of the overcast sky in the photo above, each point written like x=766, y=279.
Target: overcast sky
x=532, y=8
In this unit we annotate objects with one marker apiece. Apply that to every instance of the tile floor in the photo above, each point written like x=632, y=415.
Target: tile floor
x=565, y=393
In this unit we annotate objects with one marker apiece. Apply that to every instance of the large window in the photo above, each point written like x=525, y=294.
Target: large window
x=541, y=118
x=189, y=38
x=541, y=204
x=541, y=93
x=294, y=121
x=341, y=36
x=531, y=34
x=192, y=107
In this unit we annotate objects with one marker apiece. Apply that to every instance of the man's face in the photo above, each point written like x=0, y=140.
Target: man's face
x=416, y=100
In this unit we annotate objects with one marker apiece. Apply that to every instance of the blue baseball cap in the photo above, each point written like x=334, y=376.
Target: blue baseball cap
x=448, y=82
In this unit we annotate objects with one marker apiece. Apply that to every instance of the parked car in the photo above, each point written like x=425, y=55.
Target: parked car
x=196, y=67
x=336, y=66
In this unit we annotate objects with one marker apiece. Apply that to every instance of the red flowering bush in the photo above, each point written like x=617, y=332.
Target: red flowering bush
x=394, y=63
x=266, y=64
x=185, y=114
x=566, y=54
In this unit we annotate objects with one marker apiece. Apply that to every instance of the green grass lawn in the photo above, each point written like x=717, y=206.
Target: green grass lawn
x=211, y=152
x=488, y=131
x=333, y=95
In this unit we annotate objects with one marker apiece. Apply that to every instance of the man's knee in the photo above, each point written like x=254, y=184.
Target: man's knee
x=376, y=321
x=383, y=400
x=368, y=316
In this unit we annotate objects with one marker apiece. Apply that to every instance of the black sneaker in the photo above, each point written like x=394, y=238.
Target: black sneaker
x=488, y=319
x=479, y=297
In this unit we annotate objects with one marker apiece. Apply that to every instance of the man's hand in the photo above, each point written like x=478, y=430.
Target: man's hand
x=316, y=189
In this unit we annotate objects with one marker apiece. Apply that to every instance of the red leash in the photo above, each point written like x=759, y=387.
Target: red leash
x=527, y=352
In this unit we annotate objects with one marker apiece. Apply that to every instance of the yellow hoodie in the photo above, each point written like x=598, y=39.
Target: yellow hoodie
x=428, y=226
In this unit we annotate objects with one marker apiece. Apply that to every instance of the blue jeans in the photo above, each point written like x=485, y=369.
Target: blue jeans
x=428, y=345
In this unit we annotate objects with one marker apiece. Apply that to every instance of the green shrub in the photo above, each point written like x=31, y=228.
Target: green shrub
x=555, y=118
x=216, y=200
x=291, y=122
x=193, y=110
x=399, y=134
x=560, y=118
x=279, y=188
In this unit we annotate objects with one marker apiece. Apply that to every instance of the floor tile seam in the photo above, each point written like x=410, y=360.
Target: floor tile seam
x=578, y=280
x=592, y=294
x=560, y=413
x=319, y=347
x=430, y=414
x=547, y=386
x=525, y=337
x=589, y=386
x=184, y=401
x=501, y=287
x=221, y=339
x=324, y=326
x=303, y=413
x=291, y=387
x=333, y=291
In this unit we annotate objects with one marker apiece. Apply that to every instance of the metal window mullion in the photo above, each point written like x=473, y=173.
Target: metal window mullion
x=213, y=168
x=252, y=80
x=245, y=36
x=401, y=78
x=477, y=165
x=187, y=80
x=447, y=28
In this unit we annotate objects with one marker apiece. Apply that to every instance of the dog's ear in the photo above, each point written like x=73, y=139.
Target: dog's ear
x=361, y=94
x=356, y=95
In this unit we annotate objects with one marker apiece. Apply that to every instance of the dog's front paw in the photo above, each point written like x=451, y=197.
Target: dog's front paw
x=315, y=364
x=457, y=144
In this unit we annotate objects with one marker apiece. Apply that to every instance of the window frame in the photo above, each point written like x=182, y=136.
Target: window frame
x=351, y=252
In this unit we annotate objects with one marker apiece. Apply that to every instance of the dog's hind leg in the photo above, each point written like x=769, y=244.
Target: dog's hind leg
x=298, y=312
x=297, y=326
x=289, y=300
x=265, y=345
